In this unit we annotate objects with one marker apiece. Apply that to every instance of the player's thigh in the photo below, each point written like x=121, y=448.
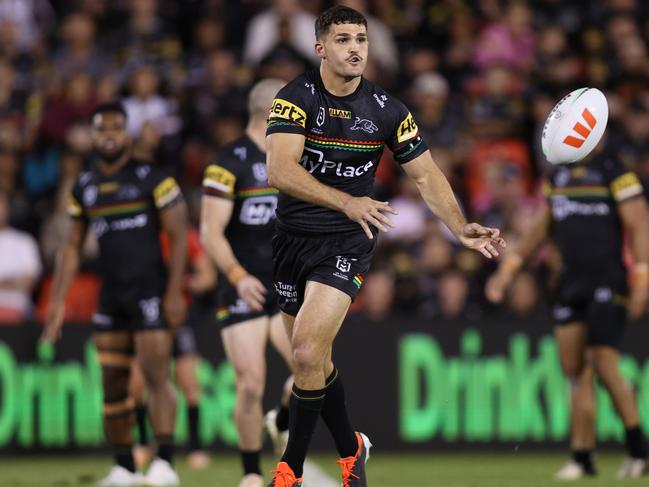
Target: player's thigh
x=115, y=352
x=572, y=340
x=279, y=336
x=319, y=318
x=245, y=346
x=288, y=321
x=113, y=341
x=114, y=348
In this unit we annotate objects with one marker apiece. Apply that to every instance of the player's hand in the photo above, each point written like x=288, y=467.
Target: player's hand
x=496, y=287
x=365, y=211
x=638, y=302
x=485, y=240
x=174, y=308
x=252, y=291
x=53, y=323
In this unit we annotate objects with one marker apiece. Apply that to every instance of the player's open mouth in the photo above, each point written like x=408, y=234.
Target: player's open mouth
x=354, y=60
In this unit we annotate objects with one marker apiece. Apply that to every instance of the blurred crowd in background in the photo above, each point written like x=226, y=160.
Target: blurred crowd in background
x=480, y=77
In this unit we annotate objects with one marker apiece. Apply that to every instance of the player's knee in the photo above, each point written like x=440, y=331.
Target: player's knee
x=155, y=375
x=306, y=357
x=250, y=390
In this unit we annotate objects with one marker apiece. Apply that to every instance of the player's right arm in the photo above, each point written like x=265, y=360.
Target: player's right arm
x=67, y=265
x=287, y=175
x=216, y=211
x=516, y=255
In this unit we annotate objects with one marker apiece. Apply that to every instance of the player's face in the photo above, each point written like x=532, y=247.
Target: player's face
x=345, y=48
x=109, y=135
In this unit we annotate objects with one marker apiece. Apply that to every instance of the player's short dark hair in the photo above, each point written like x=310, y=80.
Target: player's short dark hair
x=108, y=107
x=337, y=15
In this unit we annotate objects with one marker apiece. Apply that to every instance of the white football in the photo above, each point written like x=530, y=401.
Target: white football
x=575, y=126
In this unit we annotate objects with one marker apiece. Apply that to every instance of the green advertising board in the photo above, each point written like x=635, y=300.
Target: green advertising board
x=415, y=385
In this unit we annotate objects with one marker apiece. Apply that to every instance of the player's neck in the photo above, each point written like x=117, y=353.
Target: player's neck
x=256, y=131
x=110, y=168
x=338, y=85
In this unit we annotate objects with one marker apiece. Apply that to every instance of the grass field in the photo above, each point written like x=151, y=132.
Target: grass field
x=421, y=470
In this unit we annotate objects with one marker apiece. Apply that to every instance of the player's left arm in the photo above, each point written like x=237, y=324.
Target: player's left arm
x=173, y=219
x=438, y=195
x=634, y=213
x=410, y=151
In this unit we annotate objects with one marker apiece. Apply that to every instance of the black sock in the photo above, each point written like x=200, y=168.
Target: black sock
x=166, y=447
x=282, y=418
x=585, y=459
x=124, y=457
x=304, y=411
x=636, y=443
x=251, y=461
x=192, y=417
x=334, y=414
x=140, y=418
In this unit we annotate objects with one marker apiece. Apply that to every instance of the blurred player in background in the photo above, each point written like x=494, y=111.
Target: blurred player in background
x=201, y=278
x=590, y=207
x=237, y=224
x=127, y=204
x=326, y=133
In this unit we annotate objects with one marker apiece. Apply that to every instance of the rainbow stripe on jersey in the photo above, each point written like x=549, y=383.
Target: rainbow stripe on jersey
x=118, y=209
x=257, y=191
x=343, y=144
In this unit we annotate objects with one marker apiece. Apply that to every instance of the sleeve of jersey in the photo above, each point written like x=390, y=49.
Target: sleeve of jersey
x=219, y=181
x=166, y=193
x=75, y=208
x=625, y=187
x=288, y=112
x=405, y=142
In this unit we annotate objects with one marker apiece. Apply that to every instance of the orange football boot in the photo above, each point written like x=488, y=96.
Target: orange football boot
x=353, y=468
x=284, y=477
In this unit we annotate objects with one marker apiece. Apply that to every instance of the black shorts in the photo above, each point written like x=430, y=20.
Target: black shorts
x=184, y=342
x=231, y=309
x=603, y=311
x=340, y=261
x=129, y=310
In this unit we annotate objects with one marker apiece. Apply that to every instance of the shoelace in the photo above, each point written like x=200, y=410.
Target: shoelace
x=282, y=479
x=347, y=465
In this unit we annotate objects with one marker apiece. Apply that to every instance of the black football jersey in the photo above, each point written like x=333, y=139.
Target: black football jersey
x=123, y=211
x=345, y=137
x=586, y=225
x=239, y=174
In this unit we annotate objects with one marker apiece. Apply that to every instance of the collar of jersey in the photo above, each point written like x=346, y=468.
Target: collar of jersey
x=346, y=97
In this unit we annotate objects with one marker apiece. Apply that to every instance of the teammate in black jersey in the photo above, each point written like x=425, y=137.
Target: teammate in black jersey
x=237, y=224
x=589, y=208
x=326, y=133
x=127, y=204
